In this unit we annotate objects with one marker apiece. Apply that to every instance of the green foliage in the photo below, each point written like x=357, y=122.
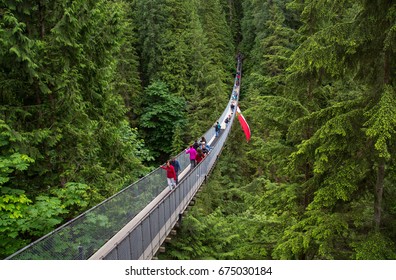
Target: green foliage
x=182, y=43
x=233, y=13
x=374, y=247
x=74, y=196
x=382, y=122
x=178, y=138
x=71, y=80
x=319, y=87
x=332, y=156
x=319, y=236
x=316, y=181
x=21, y=217
x=218, y=34
x=127, y=81
x=200, y=234
x=65, y=141
x=162, y=114
x=15, y=161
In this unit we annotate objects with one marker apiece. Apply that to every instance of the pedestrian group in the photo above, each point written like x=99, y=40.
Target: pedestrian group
x=198, y=151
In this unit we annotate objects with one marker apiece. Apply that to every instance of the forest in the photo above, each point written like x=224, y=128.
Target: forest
x=96, y=94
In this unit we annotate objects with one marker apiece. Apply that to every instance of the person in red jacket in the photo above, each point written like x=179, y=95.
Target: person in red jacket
x=170, y=175
x=200, y=156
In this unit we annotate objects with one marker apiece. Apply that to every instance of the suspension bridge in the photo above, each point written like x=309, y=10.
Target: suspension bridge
x=134, y=223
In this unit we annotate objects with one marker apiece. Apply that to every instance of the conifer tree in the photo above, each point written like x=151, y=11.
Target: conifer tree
x=345, y=117
x=220, y=56
x=176, y=48
x=152, y=34
x=127, y=79
x=218, y=34
x=233, y=12
x=65, y=140
x=162, y=116
x=321, y=104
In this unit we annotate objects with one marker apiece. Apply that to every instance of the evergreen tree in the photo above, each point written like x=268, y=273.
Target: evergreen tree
x=127, y=79
x=177, y=48
x=233, y=12
x=152, y=35
x=220, y=56
x=320, y=97
x=65, y=141
x=162, y=116
x=335, y=148
x=218, y=34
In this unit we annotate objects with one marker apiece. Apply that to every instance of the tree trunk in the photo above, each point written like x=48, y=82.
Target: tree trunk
x=379, y=185
x=379, y=190
x=42, y=20
x=230, y=4
x=307, y=191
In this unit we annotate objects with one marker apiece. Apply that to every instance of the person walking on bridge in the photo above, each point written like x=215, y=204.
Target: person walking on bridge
x=217, y=129
x=176, y=165
x=193, y=154
x=196, y=145
x=204, y=150
x=203, y=142
x=200, y=156
x=170, y=175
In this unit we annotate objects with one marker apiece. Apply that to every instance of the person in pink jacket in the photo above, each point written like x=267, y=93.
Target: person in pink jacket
x=170, y=175
x=193, y=154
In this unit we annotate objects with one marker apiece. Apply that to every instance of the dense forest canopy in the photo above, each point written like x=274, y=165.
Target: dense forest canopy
x=317, y=180
x=95, y=94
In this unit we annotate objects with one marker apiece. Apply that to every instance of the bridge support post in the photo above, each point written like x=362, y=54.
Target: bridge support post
x=81, y=253
x=180, y=219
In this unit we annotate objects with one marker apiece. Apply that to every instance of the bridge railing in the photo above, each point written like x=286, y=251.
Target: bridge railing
x=84, y=235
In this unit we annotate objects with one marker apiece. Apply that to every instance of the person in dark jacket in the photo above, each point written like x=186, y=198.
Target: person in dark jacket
x=176, y=166
x=204, y=150
x=227, y=120
x=196, y=145
x=217, y=129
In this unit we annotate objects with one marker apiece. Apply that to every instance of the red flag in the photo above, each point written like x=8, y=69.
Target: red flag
x=244, y=124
